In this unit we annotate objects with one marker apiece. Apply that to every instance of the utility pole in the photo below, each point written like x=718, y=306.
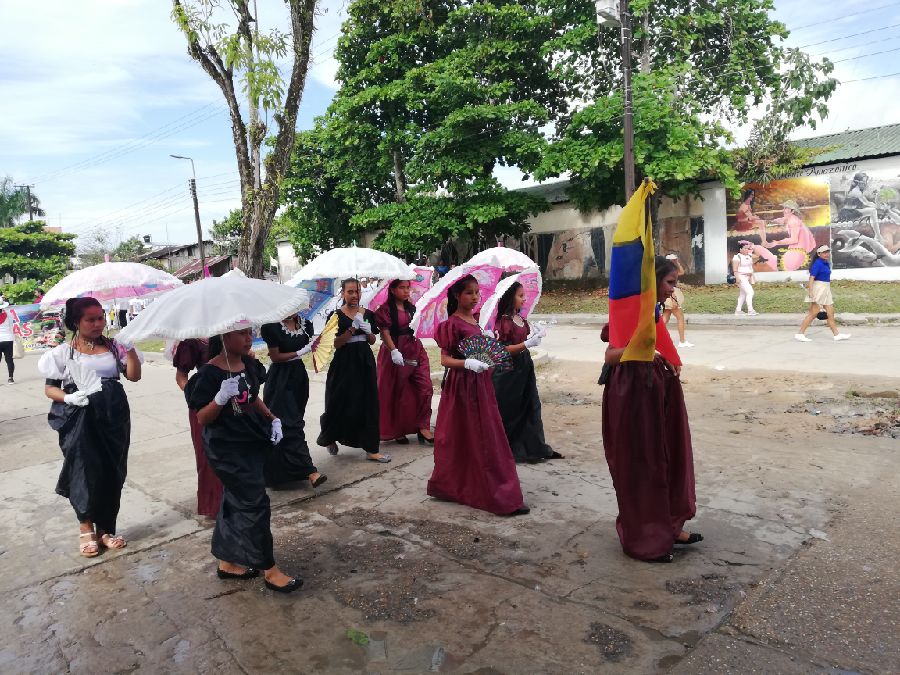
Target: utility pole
x=610, y=15
x=192, y=182
x=27, y=189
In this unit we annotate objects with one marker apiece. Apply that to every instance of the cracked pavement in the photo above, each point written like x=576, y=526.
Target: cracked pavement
x=797, y=572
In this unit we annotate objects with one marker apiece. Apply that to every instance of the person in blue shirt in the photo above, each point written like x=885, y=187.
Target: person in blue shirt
x=819, y=295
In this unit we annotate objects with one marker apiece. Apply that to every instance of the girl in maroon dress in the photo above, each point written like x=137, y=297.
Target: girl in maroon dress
x=473, y=463
x=190, y=355
x=404, y=376
x=647, y=441
x=516, y=388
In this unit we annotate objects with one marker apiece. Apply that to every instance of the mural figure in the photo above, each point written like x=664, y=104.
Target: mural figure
x=576, y=254
x=799, y=242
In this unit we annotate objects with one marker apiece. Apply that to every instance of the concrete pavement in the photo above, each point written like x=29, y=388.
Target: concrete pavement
x=396, y=582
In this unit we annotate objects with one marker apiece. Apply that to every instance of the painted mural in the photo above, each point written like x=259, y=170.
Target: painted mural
x=865, y=223
x=785, y=220
x=576, y=254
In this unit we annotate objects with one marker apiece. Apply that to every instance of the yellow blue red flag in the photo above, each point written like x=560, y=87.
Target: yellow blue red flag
x=632, y=280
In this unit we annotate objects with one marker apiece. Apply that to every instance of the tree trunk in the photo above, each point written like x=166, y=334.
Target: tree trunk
x=399, y=178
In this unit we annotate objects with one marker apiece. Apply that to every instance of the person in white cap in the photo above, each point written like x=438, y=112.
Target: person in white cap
x=675, y=305
x=819, y=295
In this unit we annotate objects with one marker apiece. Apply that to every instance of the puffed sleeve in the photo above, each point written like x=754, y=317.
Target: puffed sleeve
x=187, y=355
x=445, y=338
x=52, y=364
x=505, y=330
x=269, y=333
x=383, y=317
x=202, y=387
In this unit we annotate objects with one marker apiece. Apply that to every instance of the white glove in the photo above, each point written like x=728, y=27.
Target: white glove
x=228, y=390
x=490, y=334
x=301, y=352
x=78, y=398
x=476, y=366
x=277, y=433
x=360, y=322
x=534, y=340
x=397, y=357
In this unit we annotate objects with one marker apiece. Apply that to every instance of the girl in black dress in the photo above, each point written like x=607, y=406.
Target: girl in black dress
x=286, y=394
x=516, y=388
x=94, y=428
x=351, y=414
x=239, y=431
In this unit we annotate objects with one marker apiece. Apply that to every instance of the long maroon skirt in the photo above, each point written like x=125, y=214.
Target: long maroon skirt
x=404, y=392
x=647, y=441
x=209, y=487
x=473, y=463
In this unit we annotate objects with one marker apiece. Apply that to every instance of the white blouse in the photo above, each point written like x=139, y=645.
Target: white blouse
x=53, y=365
x=745, y=263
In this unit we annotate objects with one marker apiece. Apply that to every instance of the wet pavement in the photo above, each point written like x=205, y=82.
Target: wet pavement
x=797, y=572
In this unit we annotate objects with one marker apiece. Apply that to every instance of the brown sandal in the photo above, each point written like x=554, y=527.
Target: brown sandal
x=90, y=548
x=112, y=541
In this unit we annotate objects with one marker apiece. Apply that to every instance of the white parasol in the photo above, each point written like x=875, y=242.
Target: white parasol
x=508, y=259
x=110, y=282
x=213, y=306
x=353, y=262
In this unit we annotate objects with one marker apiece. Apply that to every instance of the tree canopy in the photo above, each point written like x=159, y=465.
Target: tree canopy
x=240, y=58
x=28, y=252
x=14, y=202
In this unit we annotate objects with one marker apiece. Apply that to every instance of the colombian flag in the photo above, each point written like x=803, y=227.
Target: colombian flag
x=632, y=285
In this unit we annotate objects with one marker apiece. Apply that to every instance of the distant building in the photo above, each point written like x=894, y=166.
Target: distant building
x=848, y=197
x=178, y=256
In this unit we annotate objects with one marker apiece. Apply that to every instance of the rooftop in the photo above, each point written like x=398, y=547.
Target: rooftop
x=854, y=144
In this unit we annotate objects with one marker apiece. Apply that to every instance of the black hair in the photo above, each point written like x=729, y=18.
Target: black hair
x=749, y=192
x=74, y=311
x=664, y=267
x=453, y=293
x=351, y=280
x=215, y=346
x=392, y=310
x=506, y=304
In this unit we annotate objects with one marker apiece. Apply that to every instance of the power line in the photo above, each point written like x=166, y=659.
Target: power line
x=847, y=37
x=845, y=16
x=873, y=77
x=863, y=56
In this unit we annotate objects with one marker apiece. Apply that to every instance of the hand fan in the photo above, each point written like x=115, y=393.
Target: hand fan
x=85, y=378
x=323, y=345
x=486, y=349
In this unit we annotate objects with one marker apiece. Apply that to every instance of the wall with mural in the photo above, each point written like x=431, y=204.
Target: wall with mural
x=856, y=212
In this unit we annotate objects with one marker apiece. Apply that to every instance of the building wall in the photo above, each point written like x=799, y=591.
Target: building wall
x=858, y=219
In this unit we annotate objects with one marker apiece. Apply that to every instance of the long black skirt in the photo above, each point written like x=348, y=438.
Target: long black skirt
x=243, y=533
x=351, y=414
x=94, y=441
x=520, y=409
x=286, y=395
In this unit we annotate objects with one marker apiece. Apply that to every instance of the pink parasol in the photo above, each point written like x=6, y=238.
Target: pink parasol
x=531, y=283
x=417, y=287
x=111, y=281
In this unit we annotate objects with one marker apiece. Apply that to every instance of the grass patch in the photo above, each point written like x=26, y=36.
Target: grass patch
x=857, y=297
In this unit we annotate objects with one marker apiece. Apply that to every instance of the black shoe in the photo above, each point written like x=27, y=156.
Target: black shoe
x=318, y=481
x=251, y=573
x=423, y=440
x=521, y=511
x=667, y=558
x=291, y=586
x=403, y=440
x=693, y=538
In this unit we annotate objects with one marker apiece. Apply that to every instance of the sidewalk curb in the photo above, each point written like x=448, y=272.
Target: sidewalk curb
x=845, y=319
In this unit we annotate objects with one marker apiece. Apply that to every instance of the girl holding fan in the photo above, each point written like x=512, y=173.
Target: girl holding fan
x=473, y=463
x=351, y=387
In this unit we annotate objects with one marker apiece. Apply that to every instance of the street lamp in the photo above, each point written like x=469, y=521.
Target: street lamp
x=611, y=15
x=192, y=182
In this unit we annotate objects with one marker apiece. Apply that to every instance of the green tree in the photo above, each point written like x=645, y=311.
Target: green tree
x=28, y=252
x=226, y=233
x=14, y=202
x=699, y=69
x=240, y=58
x=128, y=250
x=94, y=245
x=435, y=94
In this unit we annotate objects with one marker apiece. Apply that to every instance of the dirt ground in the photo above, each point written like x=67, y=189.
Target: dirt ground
x=797, y=493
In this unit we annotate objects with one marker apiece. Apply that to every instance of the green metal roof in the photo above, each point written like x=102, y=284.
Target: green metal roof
x=855, y=144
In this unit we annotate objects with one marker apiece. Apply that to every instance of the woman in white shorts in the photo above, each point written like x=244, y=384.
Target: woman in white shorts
x=742, y=268
x=819, y=295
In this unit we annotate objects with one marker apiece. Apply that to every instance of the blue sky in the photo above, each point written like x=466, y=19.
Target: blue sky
x=95, y=95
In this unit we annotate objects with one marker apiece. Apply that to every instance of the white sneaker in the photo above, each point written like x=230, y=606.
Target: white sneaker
x=738, y=313
x=800, y=337
x=841, y=336
x=691, y=344
x=752, y=313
